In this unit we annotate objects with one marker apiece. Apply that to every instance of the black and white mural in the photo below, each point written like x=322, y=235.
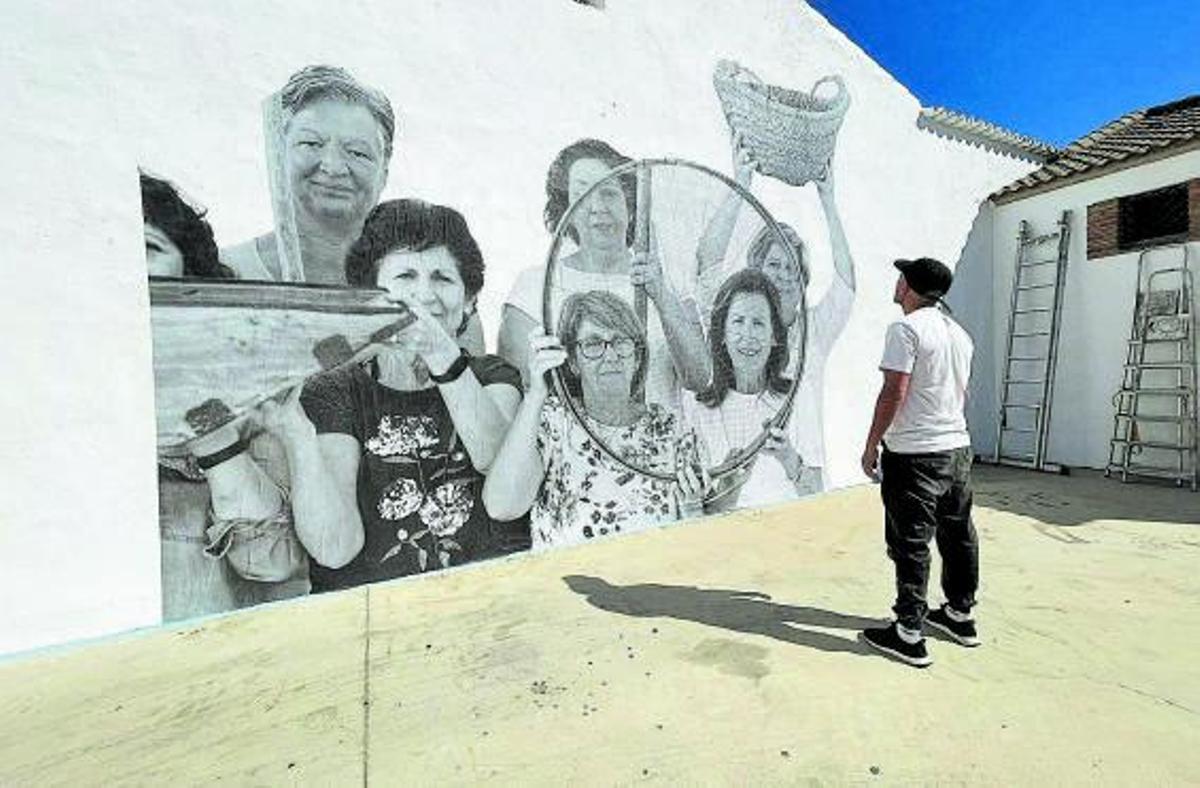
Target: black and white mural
x=332, y=409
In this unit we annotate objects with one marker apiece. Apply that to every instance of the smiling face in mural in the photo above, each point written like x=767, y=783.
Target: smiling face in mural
x=163, y=257
x=606, y=362
x=748, y=337
x=601, y=220
x=430, y=278
x=335, y=161
x=779, y=267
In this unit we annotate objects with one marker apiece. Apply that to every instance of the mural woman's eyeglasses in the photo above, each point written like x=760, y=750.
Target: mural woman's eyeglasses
x=594, y=349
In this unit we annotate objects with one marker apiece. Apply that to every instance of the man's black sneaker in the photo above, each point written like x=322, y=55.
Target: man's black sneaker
x=888, y=640
x=961, y=632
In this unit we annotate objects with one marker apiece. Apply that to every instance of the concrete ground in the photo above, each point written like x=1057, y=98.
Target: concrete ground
x=710, y=653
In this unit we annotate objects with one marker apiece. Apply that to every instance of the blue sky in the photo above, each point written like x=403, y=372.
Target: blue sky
x=1053, y=70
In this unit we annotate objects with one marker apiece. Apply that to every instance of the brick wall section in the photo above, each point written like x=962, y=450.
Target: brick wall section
x=1102, y=229
x=1194, y=209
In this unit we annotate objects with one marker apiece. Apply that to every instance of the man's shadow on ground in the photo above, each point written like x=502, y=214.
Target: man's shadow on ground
x=751, y=612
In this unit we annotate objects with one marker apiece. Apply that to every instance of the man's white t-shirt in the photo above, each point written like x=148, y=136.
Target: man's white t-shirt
x=936, y=352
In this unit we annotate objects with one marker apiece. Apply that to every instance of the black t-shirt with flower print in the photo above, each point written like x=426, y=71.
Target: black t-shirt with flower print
x=418, y=494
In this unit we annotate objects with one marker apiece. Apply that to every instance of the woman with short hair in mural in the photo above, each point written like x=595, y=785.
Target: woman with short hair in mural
x=750, y=355
x=214, y=534
x=388, y=459
x=824, y=321
x=330, y=140
x=549, y=462
x=603, y=230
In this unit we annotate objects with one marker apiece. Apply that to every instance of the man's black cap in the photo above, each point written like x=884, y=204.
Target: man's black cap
x=926, y=276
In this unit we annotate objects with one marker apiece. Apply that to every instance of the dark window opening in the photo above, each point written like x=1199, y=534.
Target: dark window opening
x=1150, y=218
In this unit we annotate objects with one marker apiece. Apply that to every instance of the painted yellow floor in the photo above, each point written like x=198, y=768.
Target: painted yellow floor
x=713, y=653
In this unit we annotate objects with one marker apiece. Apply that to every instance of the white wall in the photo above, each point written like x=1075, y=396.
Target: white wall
x=1097, y=310
x=486, y=93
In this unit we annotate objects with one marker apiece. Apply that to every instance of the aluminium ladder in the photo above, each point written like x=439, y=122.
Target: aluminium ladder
x=1154, y=424
x=1035, y=312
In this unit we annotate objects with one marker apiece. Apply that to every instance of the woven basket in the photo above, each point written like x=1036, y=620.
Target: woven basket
x=790, y=133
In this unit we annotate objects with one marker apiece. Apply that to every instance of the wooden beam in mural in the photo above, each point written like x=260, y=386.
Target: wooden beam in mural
x=223, y=347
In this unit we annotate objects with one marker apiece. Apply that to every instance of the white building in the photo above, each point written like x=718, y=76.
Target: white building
x=1130, y=186
x=486, y=94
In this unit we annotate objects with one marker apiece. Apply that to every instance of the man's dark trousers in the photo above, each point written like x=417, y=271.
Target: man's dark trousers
x=927, y=496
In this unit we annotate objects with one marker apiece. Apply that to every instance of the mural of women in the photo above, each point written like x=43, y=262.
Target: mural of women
x=329, y=144
x=750, y=355
x=603, y=231
x=330, y=140
x=203, y=571
x=388, y=460
x=825, y=319
x=550, y=462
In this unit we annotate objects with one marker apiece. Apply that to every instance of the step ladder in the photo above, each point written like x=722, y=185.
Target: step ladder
x=1154, y=425
x=1027, y=382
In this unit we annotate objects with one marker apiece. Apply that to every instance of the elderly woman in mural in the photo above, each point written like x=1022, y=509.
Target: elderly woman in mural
x=203, y=571
x=603, y=230
x=825, y=320
x=330, y=141
x=549, y=461
x=388, y=459
x=750, y=354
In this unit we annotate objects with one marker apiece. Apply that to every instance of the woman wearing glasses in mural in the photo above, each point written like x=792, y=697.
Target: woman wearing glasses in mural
x=603, y=230
x=750, y=354
x=825, y=321
x=329, y=142
x=388, y=459
x=215, y=535
x=551, y=463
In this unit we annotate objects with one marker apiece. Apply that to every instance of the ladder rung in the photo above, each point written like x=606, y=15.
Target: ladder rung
x=1032, y=311
x=1024, y=381
x=1166, y=391
x=1031, y=333
x=1157, y=341
x=1154, y=470
x=1040, y=262
x=1029, y=430
x=1155, y=445
x=1160, y=365
x=1021, y=406
x=1011, y=359
x=1035, y=287
x=1156, y=419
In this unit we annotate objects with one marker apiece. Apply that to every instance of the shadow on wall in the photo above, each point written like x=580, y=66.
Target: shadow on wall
x=971, y=299
x=751, y=612
x=1081, y=498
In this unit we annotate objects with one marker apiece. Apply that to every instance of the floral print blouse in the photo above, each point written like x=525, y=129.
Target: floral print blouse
x=586, y=493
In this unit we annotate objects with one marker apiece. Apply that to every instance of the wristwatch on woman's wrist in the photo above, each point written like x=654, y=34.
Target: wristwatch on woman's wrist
x=454, y=371
x=208, y=461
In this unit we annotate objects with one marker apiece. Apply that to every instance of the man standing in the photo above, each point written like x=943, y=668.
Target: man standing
x=925, y=469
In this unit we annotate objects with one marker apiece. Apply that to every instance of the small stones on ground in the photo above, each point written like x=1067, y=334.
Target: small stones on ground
x=785, y=753
x=875, y=770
